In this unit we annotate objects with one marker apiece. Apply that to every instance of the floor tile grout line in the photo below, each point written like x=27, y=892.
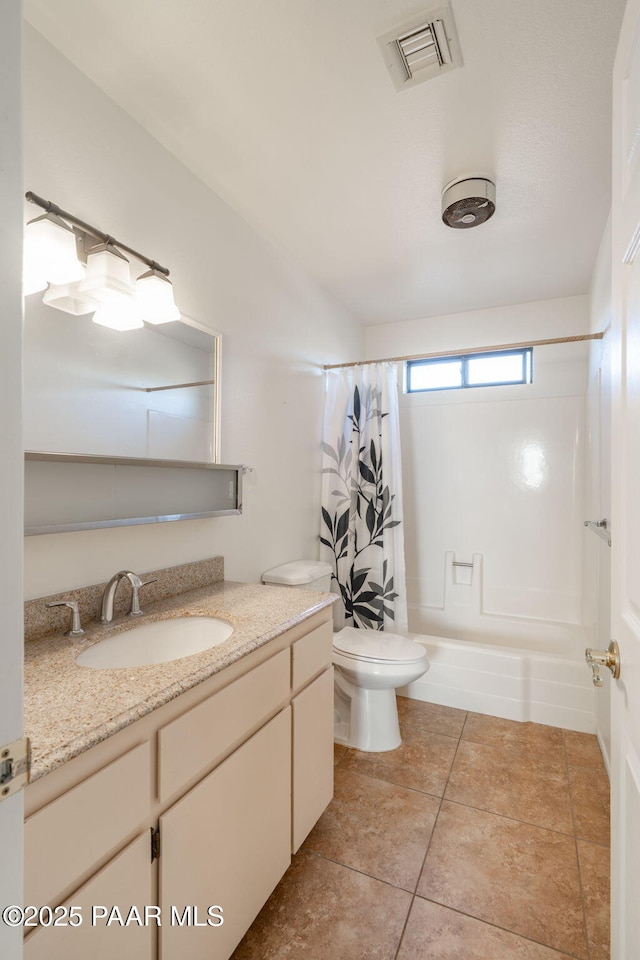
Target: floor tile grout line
x=363, y=873
x=496, y=926
x=404, y=927
x=433, y=830
x=471, y=806
x=575, y=840
x=394, y=783
x=434, y=726
x=504, y=816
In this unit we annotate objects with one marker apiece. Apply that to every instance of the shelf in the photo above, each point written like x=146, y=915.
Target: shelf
x=67, y=492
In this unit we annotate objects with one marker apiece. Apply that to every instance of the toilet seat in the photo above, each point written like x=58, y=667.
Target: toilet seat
x=374, y=646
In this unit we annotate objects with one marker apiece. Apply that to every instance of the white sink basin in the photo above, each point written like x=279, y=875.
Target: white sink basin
x=158, y=642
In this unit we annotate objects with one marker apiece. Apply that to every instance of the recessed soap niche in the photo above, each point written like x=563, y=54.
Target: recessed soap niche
x=120, y=427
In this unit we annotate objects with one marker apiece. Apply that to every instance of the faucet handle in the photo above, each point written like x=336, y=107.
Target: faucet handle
x=135, y=598
x=75, y=630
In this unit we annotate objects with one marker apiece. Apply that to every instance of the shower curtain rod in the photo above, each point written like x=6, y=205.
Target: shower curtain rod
x=458, y=353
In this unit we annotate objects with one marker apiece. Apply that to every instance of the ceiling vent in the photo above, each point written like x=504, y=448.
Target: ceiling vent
x=468, y=202
x=421, y=48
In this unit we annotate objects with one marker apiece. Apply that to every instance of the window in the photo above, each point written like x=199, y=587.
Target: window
x=473, y=370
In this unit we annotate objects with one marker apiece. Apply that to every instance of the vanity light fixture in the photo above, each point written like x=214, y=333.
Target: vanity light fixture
x=107, y=278
x=154, y=293
x=122, y=314
x=86, y=270
x=68, y=298
x=49, y=253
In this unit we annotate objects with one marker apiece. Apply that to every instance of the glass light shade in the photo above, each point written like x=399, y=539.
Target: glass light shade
x=154, y=293
x=68, y=298
x=32, y=282
x=123, y=315
x=50, y=253
x=107, y=278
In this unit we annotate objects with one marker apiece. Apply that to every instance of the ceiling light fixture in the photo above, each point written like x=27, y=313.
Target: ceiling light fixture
x=86, y=270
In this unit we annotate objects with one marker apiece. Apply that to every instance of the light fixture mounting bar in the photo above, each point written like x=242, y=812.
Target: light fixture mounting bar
x=93, y=231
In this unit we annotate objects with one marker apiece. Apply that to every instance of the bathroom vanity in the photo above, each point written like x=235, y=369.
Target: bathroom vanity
x=196, y=806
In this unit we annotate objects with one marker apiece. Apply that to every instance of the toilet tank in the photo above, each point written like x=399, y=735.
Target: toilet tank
x=305, y=574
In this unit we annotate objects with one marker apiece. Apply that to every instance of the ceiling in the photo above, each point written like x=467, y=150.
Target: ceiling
x=285, y=108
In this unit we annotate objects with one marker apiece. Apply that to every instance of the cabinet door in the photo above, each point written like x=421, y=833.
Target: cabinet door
x=227, y=844
x=67, y=839
x=312, y=754
x=124, y=882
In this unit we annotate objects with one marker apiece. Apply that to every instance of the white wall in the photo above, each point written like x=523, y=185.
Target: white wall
x=11, y=646
x=495, y=471
x=597, y=555
x=278, y=328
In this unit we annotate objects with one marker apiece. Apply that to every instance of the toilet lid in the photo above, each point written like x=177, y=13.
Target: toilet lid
x=376, y=645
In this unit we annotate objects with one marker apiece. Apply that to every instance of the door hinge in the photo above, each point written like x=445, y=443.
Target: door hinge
x=155, y=843
x=15, y=767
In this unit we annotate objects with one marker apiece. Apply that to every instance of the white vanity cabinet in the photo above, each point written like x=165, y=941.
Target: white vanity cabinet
x=229, y=777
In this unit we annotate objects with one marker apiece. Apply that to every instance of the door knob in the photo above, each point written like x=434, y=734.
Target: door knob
x=603, y=658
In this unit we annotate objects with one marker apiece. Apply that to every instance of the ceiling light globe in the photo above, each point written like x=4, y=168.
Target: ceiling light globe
x=68, y=298
x=32, y=282
x=50, y=253
x=123, y=315
x=154, y=295
x=107, y=278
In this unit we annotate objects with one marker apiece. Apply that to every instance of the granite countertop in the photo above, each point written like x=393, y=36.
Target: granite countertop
x=69, y=708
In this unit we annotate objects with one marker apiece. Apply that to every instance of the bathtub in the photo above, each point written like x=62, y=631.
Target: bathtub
x=517, y=667
x=551, y=684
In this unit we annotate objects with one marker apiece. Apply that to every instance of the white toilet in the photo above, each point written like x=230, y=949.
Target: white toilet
x=369, y=666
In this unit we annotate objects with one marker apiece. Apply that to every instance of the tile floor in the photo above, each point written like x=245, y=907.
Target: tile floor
x=478, y=839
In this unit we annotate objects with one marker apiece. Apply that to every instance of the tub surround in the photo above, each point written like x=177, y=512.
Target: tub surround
x=69, y=708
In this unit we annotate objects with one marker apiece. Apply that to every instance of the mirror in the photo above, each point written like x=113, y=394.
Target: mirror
x=94, y=391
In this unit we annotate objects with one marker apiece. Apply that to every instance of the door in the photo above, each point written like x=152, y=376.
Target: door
x=625, y=551
x=11, y=642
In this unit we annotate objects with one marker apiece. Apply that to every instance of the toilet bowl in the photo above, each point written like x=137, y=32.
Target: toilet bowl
x=369, y=666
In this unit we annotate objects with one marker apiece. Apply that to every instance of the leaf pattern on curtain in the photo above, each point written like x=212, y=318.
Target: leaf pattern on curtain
x=360, y=507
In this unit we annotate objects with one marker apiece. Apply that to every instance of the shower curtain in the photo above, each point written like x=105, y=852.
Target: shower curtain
x=361, y=526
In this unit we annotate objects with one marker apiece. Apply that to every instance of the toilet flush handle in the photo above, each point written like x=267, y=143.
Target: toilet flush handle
x=603, y=658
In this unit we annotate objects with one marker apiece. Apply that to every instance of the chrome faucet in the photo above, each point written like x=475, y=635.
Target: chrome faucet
x=106, y=613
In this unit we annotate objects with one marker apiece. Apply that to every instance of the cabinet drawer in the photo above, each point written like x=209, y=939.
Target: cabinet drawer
x=84, y=825
x=311, y=654
x=124, y=882
x=191, y=744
